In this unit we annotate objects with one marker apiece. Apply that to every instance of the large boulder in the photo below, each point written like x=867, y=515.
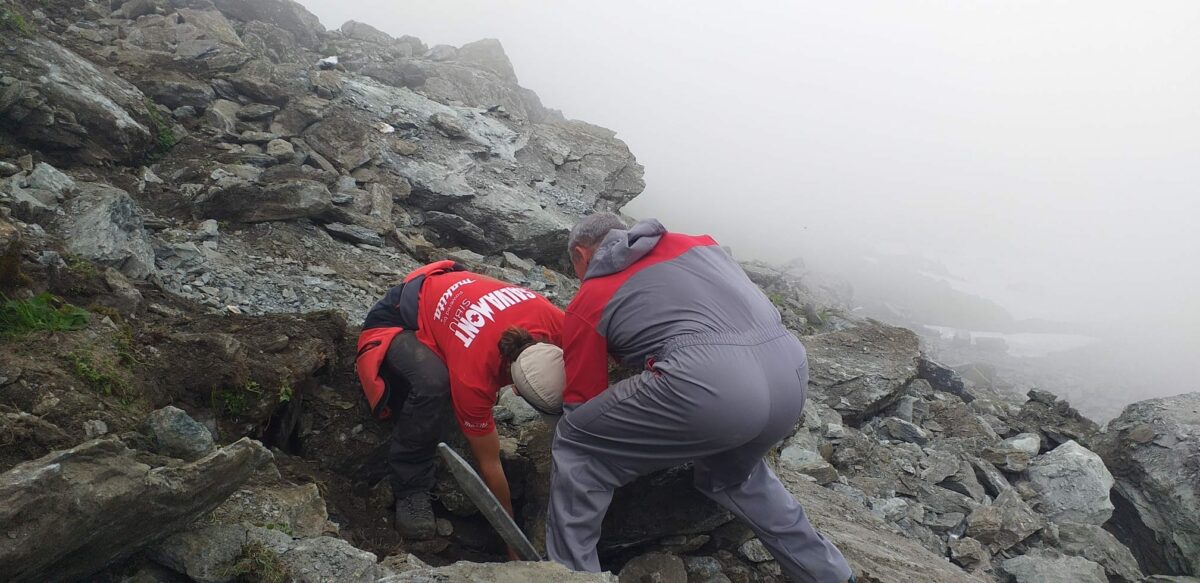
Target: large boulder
x=1008, y=520
x=286, y=14
x=1072, y=485
x=102, y=224
x=1052, y=568
x=1151, y=450
x=54, y=100
x=1099, y=546
x=860, y=371
x=70, y=513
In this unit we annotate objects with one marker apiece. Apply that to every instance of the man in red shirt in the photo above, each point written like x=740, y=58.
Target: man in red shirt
x=722, y=383
x=431, y=345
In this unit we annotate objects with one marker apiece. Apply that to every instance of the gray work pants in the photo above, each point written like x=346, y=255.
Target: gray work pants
x=720, y=401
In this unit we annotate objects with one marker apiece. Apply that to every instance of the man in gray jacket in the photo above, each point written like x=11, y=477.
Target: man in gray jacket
x=723, y=383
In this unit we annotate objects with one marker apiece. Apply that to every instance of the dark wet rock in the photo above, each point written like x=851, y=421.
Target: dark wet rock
x=1054, y=419
x=67, y=106
x=178, y=435
x=119, y=505
x=1151, y=450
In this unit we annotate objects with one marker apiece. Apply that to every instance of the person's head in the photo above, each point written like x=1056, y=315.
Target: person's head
x=586, y=236
x=536, y=367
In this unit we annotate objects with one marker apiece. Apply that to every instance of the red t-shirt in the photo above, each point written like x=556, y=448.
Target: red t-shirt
x=462, y=316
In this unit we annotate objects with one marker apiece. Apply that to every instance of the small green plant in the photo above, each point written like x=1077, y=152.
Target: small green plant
x=12, y=20
x=98, y=377
x=285, y=528
x=235, y=401
x=164, y=135
x=80, y=267
x=259, y=564
x=285, y=390
x=41, y=312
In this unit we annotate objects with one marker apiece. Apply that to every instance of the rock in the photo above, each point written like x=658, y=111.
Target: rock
x=257, y=112
x=806, y=461
x=1007, y=458
x=133, y=9
x=48, y=178
x=1098, y=545
x=222, y=115
x=1157, y=493
x=1055, y=420
x=209, y=229
x=102, y=224
x=965, y=482
x=354, y=234
x=403, y=562
x=279, y=201
x=178, y=435
x=860, y=371
x=325, y=558
x=118, y=505
x=1072, y=485
x=654, y=568
x=441, y=53
x=176, y=91
x=365, y=32
x=94, y=428
x=521, y=410
x=285, y=14
x=513, y=572
x=1053, y=568
x=8, y=169
x=875, y=551
x=755, y=552
x=902, y=430
x=943, y=378
x=449, y=125
x=281, y=150
x=968, y=553
x=1030, y=443
x=992, y=480
x=489, y=54
x=66, y=105
x=298, y=510
x=1004, y=523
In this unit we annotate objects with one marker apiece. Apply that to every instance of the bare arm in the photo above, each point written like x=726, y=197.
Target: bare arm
x=486, y=449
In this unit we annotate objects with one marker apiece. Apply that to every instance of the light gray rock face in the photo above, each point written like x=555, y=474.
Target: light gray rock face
x=1029, y=443
x=62, y=103
x=872, y=548
x=514, y=572
x=102, y=224
x=1053, y=568
x=178, y=435
x=1099, y=546
x=860, y=371
x=1153, y=451
x=1072, y=485
x=118, y=505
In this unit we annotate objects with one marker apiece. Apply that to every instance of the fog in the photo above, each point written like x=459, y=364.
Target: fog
x=1045, y=154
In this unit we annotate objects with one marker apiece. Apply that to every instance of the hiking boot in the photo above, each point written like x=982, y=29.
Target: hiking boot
x=414, y=516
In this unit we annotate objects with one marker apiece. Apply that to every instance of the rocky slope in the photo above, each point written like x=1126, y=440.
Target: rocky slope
x=198, y=198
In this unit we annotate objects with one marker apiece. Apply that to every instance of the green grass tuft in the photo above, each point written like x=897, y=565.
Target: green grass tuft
x=164, y=135
x=259, y=564
x=12, y=20
x=100, y=378
x=41, y=312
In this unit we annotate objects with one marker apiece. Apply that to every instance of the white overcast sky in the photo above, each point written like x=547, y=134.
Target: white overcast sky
x=1048, y=151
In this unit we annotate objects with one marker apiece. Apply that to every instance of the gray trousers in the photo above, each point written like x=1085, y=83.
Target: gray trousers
x=720, y=401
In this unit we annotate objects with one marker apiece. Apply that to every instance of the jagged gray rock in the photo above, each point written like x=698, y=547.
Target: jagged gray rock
x=1098, y=545
x=102, y=224
x=178, y=435
x=58, y=101
x=1153, y=451
x=119, y=505
x=1004, y=523
x=860, y=371
x=1053, y=568
x=1072, y=485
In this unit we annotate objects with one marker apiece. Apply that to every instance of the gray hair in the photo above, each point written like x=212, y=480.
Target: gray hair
x=591, y=231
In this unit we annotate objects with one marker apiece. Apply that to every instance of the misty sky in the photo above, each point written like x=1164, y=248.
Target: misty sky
x=1047, y=151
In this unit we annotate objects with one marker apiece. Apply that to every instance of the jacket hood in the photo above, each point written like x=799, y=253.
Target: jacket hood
x=622, y=248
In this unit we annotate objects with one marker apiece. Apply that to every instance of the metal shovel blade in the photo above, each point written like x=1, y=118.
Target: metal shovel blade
x=487, y=504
